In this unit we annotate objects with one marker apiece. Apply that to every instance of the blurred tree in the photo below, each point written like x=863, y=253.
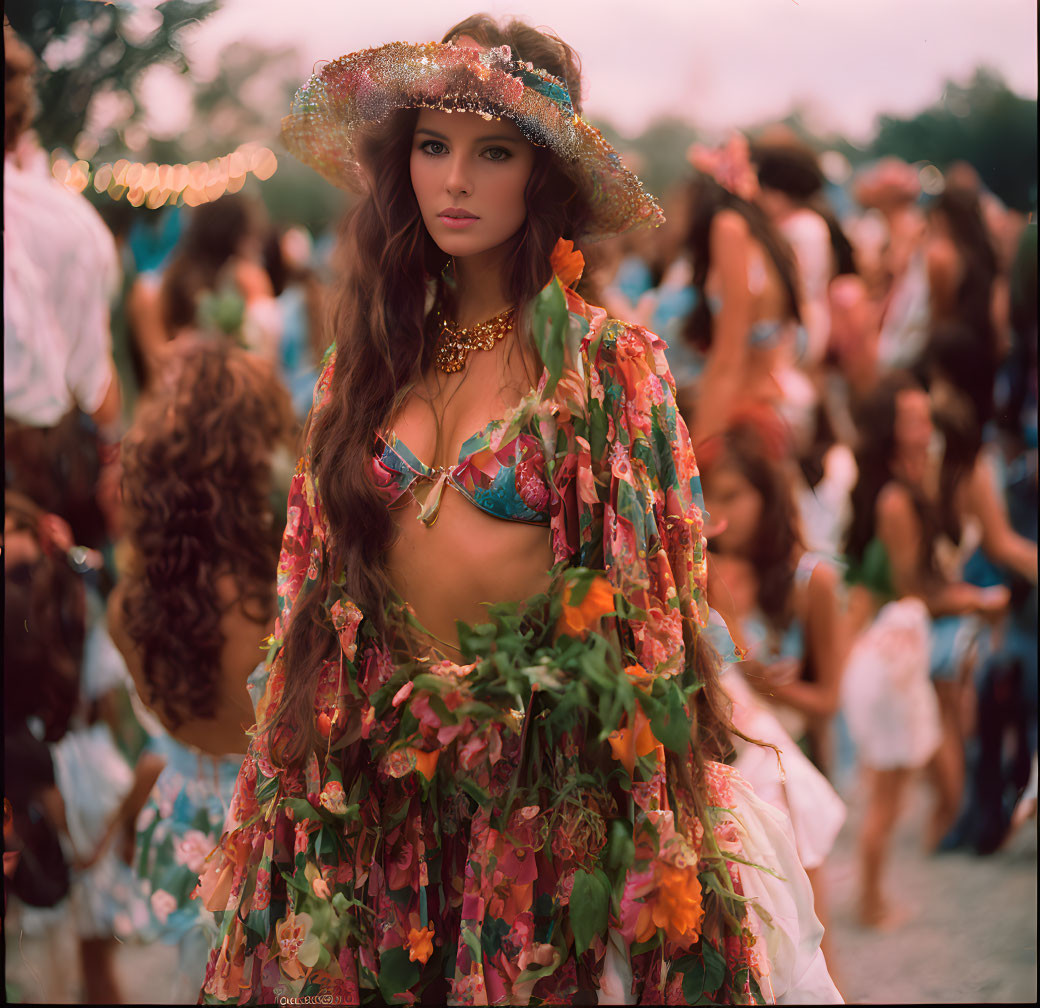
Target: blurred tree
x=296, y=195
x=87, y=48
x=244, y=100
x=983, y=123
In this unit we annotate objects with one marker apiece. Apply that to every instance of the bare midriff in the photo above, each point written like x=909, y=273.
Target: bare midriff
x=450, y=570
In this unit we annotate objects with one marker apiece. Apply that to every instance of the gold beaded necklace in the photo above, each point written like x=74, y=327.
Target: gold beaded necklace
x=455, y=343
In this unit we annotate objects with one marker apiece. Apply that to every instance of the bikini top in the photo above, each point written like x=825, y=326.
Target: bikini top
x=508, y=483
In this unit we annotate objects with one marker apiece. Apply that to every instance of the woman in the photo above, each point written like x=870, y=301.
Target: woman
x=791, y=194
x=203, y=506
x=215, y=283
x=747, y=320
x=906, y=517
x=448, y=800
x=900, y=275
x=785, y=598
x=60, y=668
x=785, y=595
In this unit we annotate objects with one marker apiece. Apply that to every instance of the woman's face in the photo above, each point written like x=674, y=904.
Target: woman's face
x=913, y=426
x=469, y=175
x=734, y=504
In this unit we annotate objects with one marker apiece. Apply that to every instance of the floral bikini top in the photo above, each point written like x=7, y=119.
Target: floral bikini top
x=507, y=483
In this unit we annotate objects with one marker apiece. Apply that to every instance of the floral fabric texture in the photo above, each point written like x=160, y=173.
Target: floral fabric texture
x=530, y=825
x=176, y=830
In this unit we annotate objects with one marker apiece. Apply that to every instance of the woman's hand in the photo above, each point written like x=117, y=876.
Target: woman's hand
x=765, y=679
x=992, y=603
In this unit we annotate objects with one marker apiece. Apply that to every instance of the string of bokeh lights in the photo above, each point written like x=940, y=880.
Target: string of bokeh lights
x=154, y=185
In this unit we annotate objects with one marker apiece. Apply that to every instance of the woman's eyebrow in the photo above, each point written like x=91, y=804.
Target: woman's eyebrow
x=497, y=137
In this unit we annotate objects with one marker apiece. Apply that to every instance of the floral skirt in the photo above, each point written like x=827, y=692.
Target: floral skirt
x=530, y=827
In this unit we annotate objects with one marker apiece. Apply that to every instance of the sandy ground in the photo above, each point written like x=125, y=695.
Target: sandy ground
x=970, y=937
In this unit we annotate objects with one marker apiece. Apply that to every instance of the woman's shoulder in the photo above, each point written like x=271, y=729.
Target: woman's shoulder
x=805, y=224
x=730, y=225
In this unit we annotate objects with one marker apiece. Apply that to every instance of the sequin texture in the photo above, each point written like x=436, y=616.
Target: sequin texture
x=365, y=87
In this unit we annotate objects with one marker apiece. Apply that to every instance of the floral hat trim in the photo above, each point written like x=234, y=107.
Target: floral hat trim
x=365, y=87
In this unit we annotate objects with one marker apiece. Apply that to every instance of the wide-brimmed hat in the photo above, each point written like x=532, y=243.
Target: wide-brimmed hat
x=365, y=87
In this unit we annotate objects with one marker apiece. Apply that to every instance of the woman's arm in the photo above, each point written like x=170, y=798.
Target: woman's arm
x=144, y=309
x=1000, y=542
x=824, y=648
x=124, y=820
x=719, y=385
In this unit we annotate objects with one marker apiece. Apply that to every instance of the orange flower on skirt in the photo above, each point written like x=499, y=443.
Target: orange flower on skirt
x=677, y=905
x=420, y=944
x=638, y=676
x=425, y=762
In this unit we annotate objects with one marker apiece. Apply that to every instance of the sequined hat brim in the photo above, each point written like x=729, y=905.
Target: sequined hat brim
x=365, y=87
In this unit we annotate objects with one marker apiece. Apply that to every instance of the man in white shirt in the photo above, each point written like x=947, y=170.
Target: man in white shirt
x=60, y=271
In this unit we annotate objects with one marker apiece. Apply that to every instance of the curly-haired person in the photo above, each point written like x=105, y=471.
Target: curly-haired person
x=204, y=519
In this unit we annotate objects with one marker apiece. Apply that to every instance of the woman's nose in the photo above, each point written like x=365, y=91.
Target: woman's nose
x=458, y=181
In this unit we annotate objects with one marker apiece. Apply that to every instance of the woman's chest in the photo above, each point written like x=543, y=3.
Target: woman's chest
x=442, y=412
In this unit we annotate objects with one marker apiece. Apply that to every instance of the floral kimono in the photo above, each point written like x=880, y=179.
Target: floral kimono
x=530, y=826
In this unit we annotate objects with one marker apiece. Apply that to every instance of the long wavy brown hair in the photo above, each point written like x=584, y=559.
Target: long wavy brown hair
x=200, y=503
x=384, y=342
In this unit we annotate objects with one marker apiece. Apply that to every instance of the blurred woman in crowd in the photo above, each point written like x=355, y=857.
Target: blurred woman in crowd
x=785, y=598
x=791, y=194
x=900, y=549
x=214, y=283
x=891, y=188
x=60, y=671
x=44, y=631
x=747, y=314
x=302, y=304
x=204, y=517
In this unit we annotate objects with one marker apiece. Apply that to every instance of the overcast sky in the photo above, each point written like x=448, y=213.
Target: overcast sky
x=721, y=63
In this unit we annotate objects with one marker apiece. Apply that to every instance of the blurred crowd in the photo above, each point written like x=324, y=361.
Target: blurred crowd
x=856, y=366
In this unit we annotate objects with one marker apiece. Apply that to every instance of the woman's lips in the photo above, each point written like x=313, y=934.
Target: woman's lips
x=457, y=219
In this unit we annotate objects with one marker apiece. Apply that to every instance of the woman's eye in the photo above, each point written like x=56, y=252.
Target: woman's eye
x=434, y=147
x=497, y=154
